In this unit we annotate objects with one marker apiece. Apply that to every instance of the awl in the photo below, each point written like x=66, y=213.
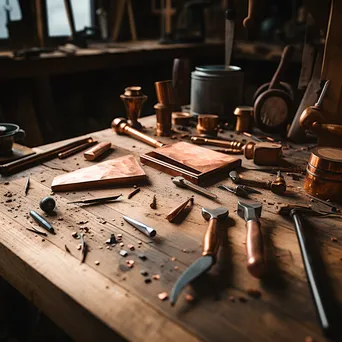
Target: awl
x=183, y=183
x=211, y=243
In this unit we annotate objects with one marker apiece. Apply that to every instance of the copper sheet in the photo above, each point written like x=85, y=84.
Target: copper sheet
x=123, y=170
x=195, y=157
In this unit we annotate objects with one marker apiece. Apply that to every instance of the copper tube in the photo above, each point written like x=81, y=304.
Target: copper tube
x=208, y=124
x=120, y=126
x=220, y=143
x=165, y=92
x=181, y=119
x=76, y=149
x=244, y=116
x=163, y=114
x=31, y=160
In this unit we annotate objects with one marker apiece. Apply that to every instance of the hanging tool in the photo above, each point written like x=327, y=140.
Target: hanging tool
x=190, y=27
x=120, y=126
x=239, y=190
x=26, y=162
x=183, y=183
x=230, y=144
x=173, y=214
x=120, y=11
x=273, y=105
x=97, y=200
x=211, y=243
x=230, y=15
x=296, y=215
x=278, y=186
x=143, y=228
x=313, y=120
x=251, y=212
x=42, y=222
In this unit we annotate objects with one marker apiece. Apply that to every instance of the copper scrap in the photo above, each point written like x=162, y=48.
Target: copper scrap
x=97, y=262
x=172, y=258
x=84, y=249
x=67, y=249
x=121, y=244
x=134, y=192
x=131, y=247
x=176, y=267
x=189, y=297
x=163, y=295
x=156, y=276
x=130, y=263
x=232, y=299
x=153, y=205
x=173, y=214
x=333, y=239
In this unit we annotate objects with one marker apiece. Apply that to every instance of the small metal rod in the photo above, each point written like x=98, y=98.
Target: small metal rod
x=27, y=185
x=297, y=218
x=322, y=95
x=96, y=200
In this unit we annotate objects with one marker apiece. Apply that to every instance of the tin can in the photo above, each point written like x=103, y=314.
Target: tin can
x=216, y=90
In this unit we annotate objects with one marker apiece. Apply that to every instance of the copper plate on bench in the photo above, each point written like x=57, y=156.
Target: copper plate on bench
x=197, y=164
x=124, y=170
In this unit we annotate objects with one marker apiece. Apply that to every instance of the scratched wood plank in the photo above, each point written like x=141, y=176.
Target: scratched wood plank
x=285, y=305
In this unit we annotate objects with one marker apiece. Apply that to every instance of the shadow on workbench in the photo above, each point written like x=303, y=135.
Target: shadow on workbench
x=21, y=321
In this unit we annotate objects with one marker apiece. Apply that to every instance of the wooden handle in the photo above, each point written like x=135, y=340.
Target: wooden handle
x=211, y=239
x=284, y=62
x=335, y=129
x=255, y=249
x=249, y=21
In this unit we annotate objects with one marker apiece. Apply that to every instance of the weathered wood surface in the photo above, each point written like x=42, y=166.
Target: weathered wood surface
x=102, y=302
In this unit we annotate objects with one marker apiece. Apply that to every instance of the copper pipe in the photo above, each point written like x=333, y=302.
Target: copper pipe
x=76, y=149
x=165, y=92
x=120, y=126
x=31, y=160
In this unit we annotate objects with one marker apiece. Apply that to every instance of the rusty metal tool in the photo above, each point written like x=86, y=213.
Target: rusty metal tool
x=42, y=222
x=232, y=144
x=251, y=212
x=183, y=183
x=120, y=126
x=211, y=243
x=240, y=190
x=278, y=186
x=143, y=228
x=263, y=153
x=296, y=215
x=26, y=162
x=97, y=200
x=76, y=149
x=179, y=209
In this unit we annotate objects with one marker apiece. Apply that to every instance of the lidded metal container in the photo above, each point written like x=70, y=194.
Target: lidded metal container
x=324, y=174
x=216, y=90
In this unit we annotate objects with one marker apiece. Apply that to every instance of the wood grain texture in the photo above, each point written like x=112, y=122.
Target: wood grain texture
x=92, y=301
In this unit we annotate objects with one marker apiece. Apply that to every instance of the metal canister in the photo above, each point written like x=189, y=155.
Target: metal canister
x=324, y=174
x=215, y=89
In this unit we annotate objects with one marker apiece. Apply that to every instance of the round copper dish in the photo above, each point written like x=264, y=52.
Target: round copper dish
x=324, y=174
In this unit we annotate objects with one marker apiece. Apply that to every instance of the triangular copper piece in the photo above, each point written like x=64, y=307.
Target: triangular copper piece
x=123, y=170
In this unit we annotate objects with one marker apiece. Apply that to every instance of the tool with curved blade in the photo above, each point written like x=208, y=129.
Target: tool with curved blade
x=211, y=243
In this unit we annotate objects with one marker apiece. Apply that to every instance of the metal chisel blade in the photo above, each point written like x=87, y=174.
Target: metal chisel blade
x=143, y=228
x=200, y=266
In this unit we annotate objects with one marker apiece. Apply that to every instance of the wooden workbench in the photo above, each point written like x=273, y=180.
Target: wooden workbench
x=109, y=300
